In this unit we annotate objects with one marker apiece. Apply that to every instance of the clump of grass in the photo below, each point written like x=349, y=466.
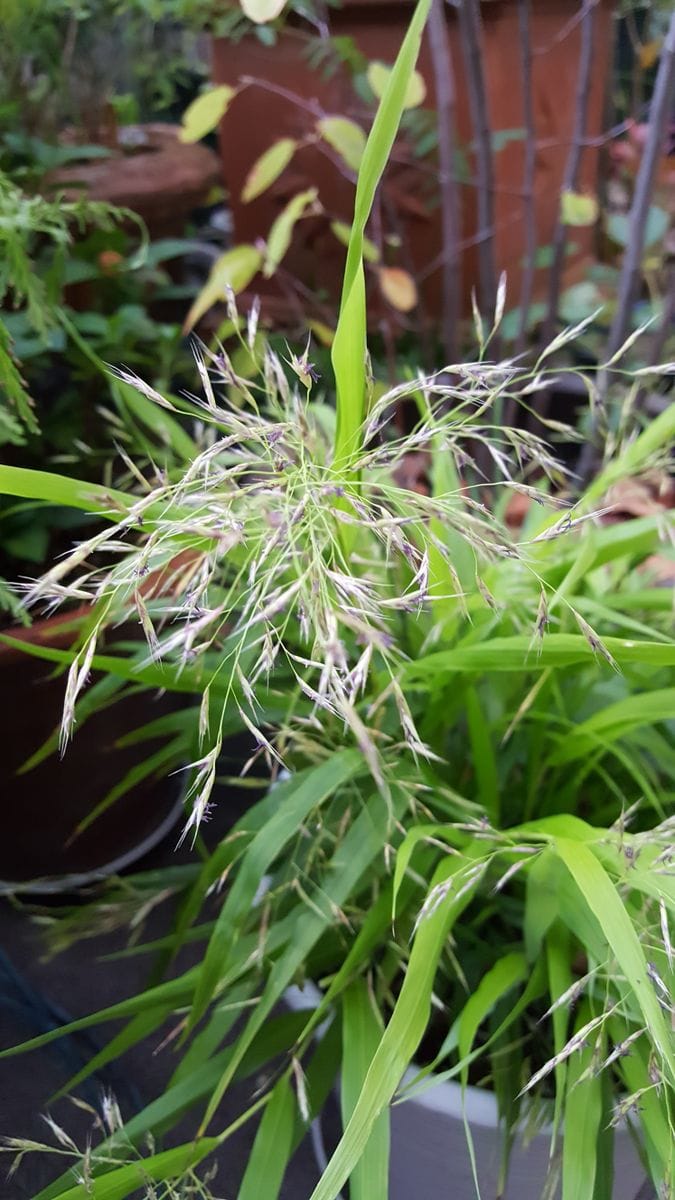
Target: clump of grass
x=263, y=558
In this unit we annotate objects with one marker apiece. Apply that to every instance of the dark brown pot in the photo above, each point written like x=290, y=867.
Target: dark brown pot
x=42, y=808
x=256, y=118
x=163, y=180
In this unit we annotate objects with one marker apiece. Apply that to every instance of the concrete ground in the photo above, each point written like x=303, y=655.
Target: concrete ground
x=77, y=982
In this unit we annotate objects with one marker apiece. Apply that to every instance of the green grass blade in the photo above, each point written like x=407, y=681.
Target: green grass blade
x=403, y=1033
x=361, y=1034
x=70, y=493
x=605, y=904
x=139, y=1027
x=483, y=756
x=361, y=847
x=161, y=1114
x=121, y=1182
x=616, y=721
x=558, y=959
x=295, y=800
x=272, y=1146
x=176, y=992
x=557, y=650
x=658, y=1130
x=349, y=343
x=506, y=974
x=583, y=1111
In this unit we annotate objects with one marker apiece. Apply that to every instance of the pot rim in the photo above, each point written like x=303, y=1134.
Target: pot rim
x=444, y=1096
x=46, y=885
x=54, y=631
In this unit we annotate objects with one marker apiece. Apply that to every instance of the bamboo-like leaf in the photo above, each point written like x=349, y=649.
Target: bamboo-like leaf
x=361, y=1034
x=175, y=992
x=653, y=1117
x=139, y=1027
x=279, y=237
x=404, y=853
x=272, y=1146
x=483, y=755
x=557, y=650
x=615, y=721
x=153, y=675
x=403, y=1033
x=234, y=269
x=558, y=966
x=267, y=169
x=606, y=906
x=506, y=974
x=658, y=433
x=360, y=848
x=294, y=801
x=349, y=344
x=202, y=116
x=583, y=1111
x=346, y=138
x=123, y=1181
x=71, y=493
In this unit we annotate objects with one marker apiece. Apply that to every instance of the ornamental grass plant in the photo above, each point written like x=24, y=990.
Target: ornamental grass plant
x=468, y=845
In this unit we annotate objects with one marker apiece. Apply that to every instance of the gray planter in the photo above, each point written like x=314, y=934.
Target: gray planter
x=430, y=1159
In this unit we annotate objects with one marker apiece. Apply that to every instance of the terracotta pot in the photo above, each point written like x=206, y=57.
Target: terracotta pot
x=160, y=178
x=256, y=118
x=42, y=808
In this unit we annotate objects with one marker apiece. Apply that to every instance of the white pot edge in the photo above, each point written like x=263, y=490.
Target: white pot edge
x=476, y=1105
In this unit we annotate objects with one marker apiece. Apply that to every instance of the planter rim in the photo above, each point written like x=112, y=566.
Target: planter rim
x=478, y=1105
x=54, y=631
x=53, y=884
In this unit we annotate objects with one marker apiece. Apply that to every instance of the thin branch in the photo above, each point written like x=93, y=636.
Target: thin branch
x=629, y=279
x=444, y=84
x=529, y=211
x=644, y=187
x=570, y=180
x=470, y=32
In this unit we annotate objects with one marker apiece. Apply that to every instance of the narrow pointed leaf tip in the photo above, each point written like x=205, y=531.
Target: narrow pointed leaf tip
x=202, y=116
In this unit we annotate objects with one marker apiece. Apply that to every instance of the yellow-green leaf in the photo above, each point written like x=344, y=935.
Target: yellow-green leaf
x=323, y=332
x=282, y=230
x=235, y=269
x=261, y=11
x=398, y=288
x=268, y=167
x=343, y=231
x=205, y=112
x=346, y=137
x=378, y=77
x=578, y=209
x=361, y=1035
